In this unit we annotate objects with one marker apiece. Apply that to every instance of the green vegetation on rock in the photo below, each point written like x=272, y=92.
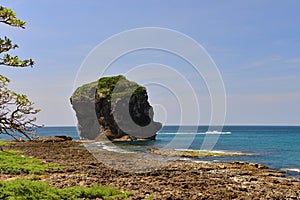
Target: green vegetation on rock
x=13, y=162
x=119, y=86
x=24, y=189
x=107, y=86
x=85, y=91
x=3, y=143
x=197, y=153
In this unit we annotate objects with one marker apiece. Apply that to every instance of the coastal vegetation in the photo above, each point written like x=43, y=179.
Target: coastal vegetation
x=14, y=162
x=125, y=88
x=107, y=87
x=16, y=110
x=26, y=189
x=34, y=185
x=85, y=90
x=3, y=143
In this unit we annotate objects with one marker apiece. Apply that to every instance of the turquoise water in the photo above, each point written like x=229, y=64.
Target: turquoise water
x=275, y=146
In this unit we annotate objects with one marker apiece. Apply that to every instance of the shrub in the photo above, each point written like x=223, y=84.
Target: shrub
x=24, y=189
x=13, y=162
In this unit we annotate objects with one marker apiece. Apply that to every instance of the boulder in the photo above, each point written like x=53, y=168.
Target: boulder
x=114, y=108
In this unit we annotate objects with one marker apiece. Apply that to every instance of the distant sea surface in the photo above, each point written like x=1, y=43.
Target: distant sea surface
x=275, y=146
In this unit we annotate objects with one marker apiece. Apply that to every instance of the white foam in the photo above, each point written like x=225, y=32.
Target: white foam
x=217, y=132
x=201, y=161
x=186, y=159
x=194, y=161
x=192, y=133
x=179, y=133
x=210, y=151
x=114, y=149
x=108, y=146
x=291, y=169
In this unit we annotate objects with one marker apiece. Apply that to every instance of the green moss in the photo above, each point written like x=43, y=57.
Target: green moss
x=13, y=162
x=85, y=90
x=3, y=143
x=151, y=197
x=196, y=153
x=107, y=85
x=24, y=189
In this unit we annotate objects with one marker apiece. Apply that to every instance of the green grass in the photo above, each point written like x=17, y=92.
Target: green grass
x=13, y=162
x=20, y=189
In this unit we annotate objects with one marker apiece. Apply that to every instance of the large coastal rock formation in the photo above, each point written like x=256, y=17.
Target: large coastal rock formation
x=116, y=108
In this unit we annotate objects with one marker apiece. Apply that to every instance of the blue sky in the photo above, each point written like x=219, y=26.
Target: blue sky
x=255, y=45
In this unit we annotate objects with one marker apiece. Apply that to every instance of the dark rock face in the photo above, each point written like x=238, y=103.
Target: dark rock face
x=116, y=108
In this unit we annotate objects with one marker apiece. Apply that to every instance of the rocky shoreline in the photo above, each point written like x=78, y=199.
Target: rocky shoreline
x=175, y=180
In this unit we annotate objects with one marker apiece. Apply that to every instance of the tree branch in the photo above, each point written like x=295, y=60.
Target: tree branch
x=7, y=16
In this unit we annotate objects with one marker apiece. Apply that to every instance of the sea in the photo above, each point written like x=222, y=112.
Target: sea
x=278, y=147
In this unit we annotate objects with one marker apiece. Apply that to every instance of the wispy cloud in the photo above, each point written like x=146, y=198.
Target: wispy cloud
x=262, y=62
x=281, y=78
x=270, y=60
x=294, y=61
